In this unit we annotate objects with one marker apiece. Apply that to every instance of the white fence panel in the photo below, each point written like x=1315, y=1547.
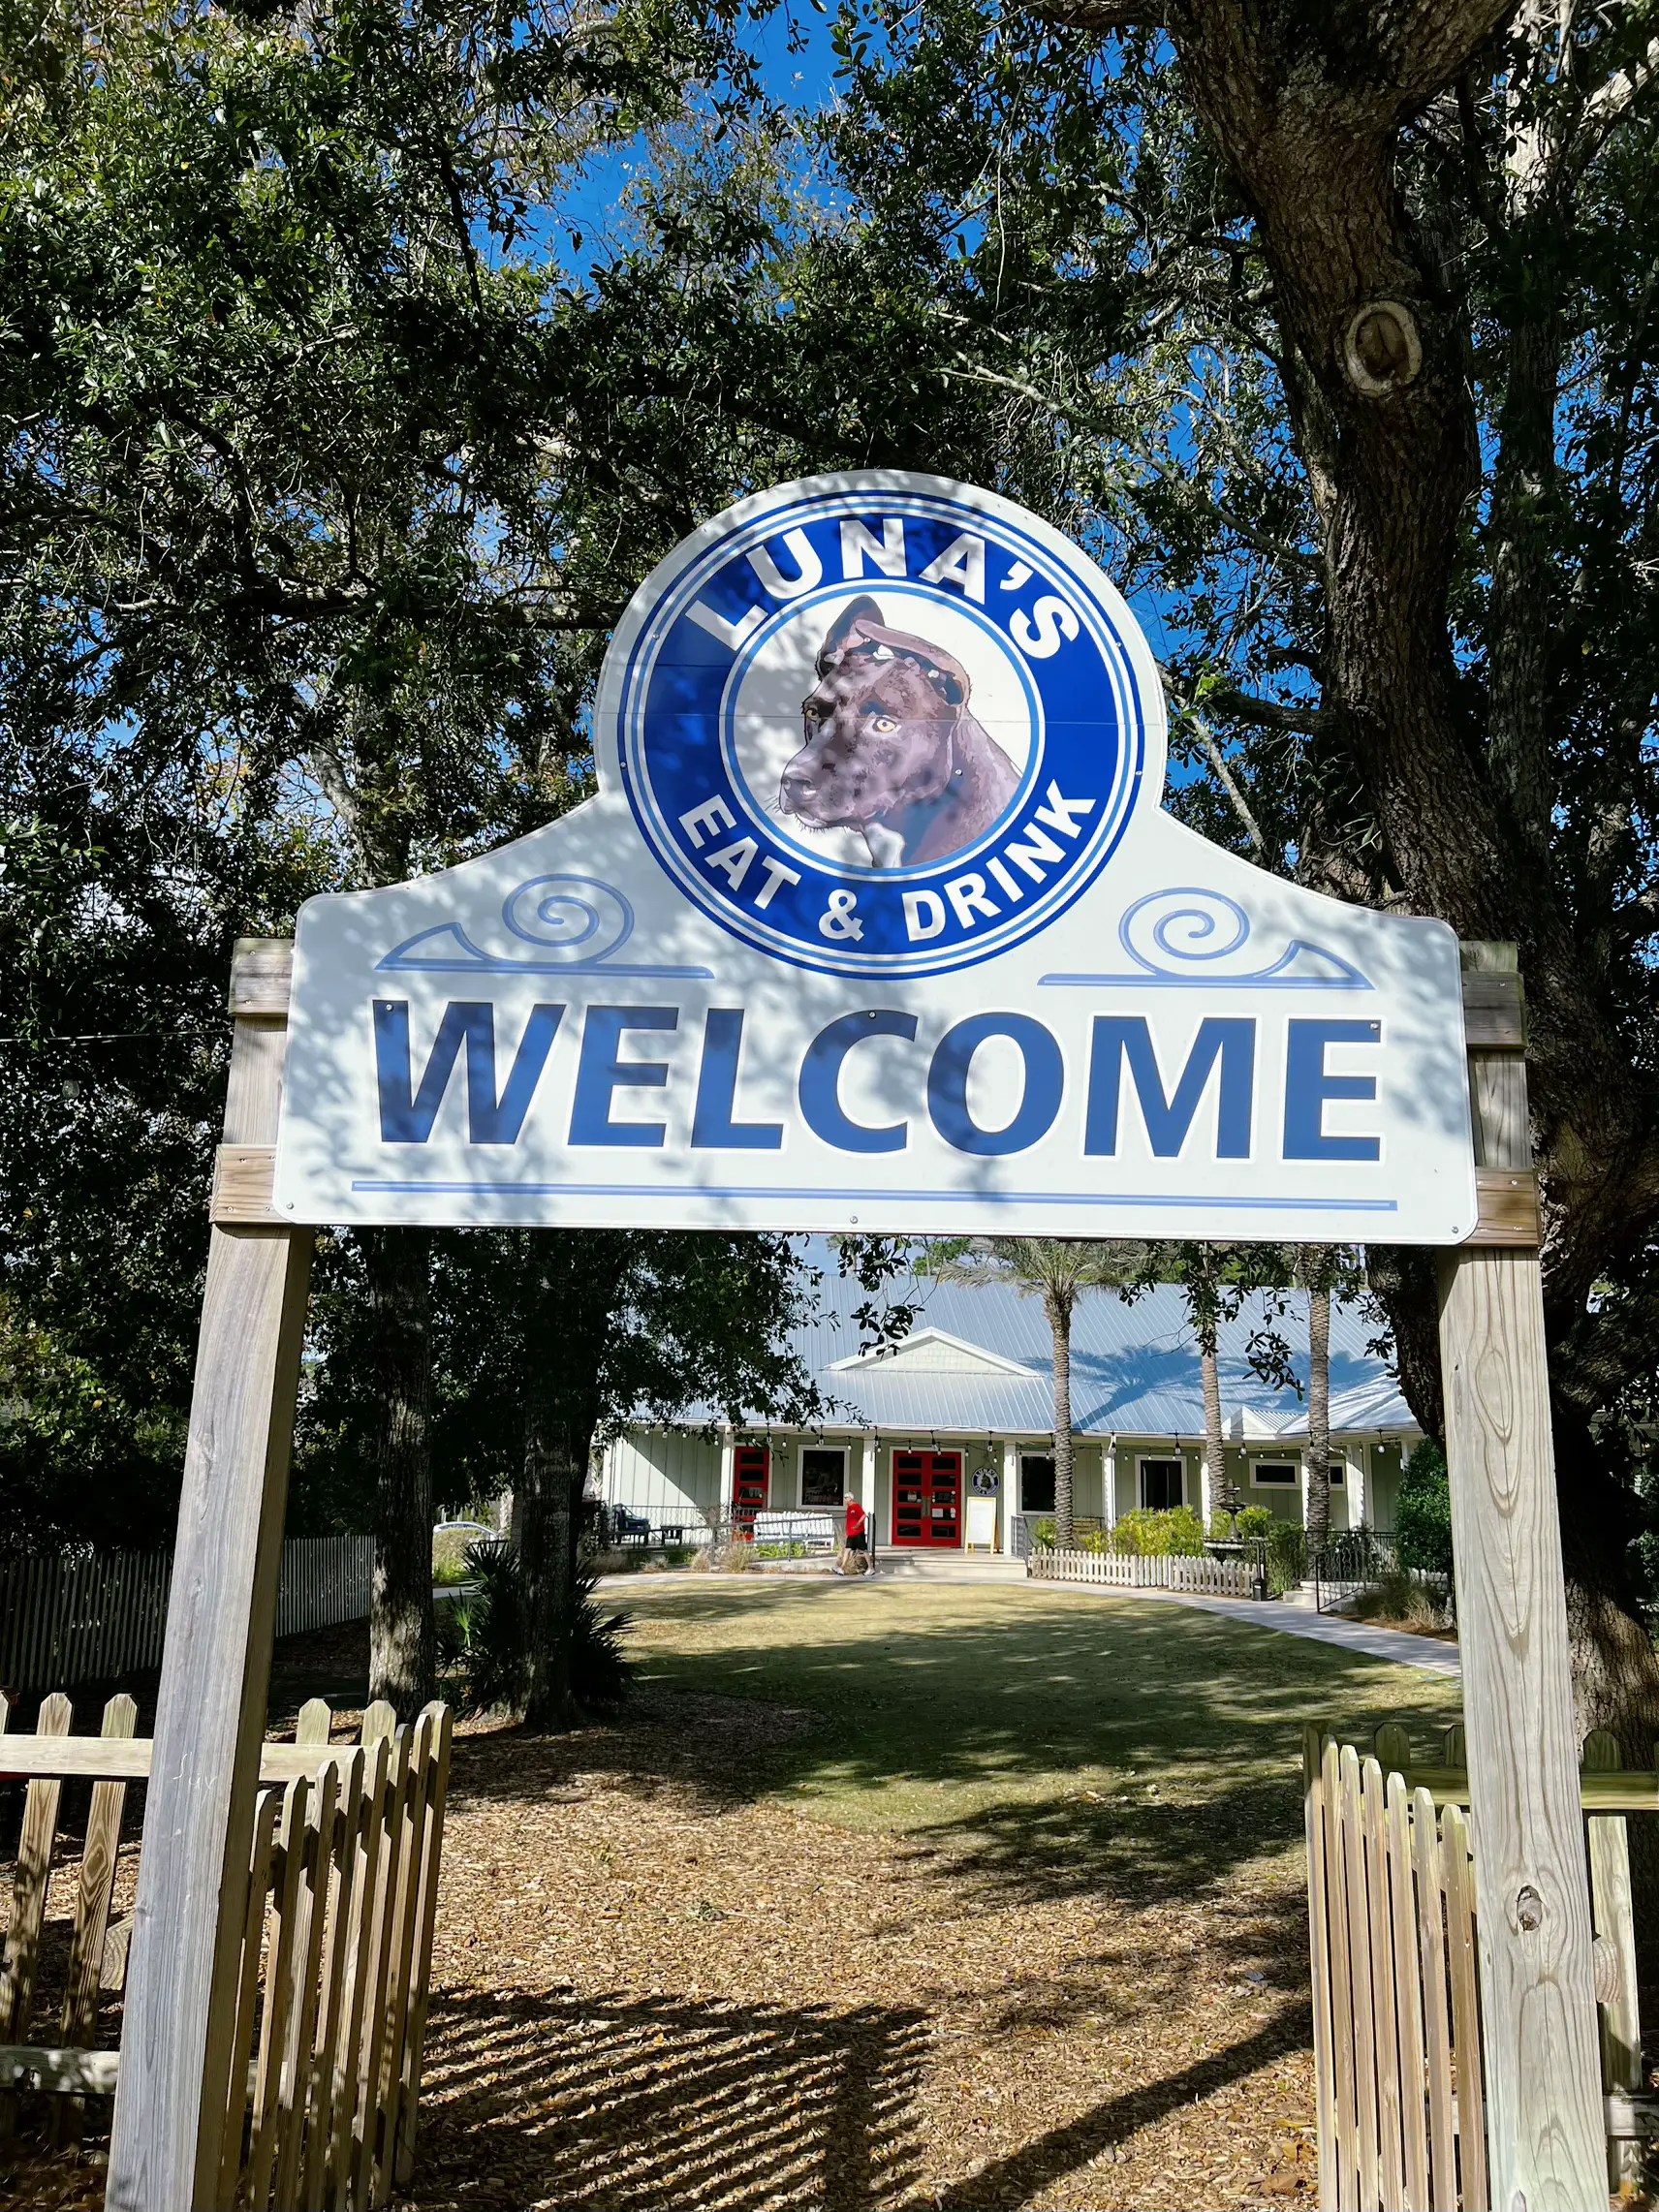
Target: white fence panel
x=1132, y=1571
x=64, y=1621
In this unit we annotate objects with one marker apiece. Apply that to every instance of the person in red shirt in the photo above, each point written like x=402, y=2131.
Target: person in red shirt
x=856, y=1553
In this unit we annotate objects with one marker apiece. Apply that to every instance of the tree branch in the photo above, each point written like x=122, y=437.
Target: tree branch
x=1616, y=98
x=1097, y=14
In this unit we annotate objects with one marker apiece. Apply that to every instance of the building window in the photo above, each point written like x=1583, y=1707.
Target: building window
x=1338, y=1472
x=1036, y=1482
x=1274, y=1473
x=1162, y=1484
x=822, y=1474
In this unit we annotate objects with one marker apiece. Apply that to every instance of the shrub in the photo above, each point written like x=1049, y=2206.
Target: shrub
x=1423, y=1518
x=1398, y=1596
x=1176, y=1532
x=1042, y=1535
x=1287, y=1556
x=484, y=1638
x=1255, y=1524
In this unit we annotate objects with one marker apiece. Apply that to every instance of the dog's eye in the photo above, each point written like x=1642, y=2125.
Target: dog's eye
x=882, y=724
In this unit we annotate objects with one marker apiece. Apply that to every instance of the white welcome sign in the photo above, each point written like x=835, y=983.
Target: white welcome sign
x=877, y=923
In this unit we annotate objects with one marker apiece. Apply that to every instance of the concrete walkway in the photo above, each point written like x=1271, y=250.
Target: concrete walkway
x=1425, y=1652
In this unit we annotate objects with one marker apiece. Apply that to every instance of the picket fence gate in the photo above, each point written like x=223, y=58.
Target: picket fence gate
x=1138, y=1570
x=335, y=1960
x=64, y=1621
x=1400, y=2102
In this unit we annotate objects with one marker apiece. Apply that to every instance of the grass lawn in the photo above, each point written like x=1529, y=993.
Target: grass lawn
x=893, y=1895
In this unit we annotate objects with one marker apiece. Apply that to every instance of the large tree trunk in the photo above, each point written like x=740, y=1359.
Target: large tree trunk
x=1065, y=1484
x=547, y=1551
x=402, y=1645
x=1318, y=1417
x=1306, y=107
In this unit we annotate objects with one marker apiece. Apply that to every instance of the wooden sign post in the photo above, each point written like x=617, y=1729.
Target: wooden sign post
x=1538, y=2007
x=210, y=1712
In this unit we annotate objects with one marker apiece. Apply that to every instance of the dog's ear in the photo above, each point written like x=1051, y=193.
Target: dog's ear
x=856, y=610
x=952, y=685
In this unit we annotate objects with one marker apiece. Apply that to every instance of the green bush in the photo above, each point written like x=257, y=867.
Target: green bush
x=483, y=1640
x=1042, y=1535
x=1287, y=1556
x=1255, y=1524
x=1174, y=1533
x=1422, y=1518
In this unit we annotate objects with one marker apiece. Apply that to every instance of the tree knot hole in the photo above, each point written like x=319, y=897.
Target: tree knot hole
x=1381, y=349
x=1529, y=1909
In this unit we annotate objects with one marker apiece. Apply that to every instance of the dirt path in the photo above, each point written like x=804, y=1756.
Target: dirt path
x=648, y=1993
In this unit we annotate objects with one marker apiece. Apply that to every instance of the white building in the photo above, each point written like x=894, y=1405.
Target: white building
x=947, y=1438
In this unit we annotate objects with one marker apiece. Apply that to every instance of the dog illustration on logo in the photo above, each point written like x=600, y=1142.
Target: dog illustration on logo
x=892, y=750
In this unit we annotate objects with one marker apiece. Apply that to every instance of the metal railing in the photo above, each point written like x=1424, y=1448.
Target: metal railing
x=1348, y=1561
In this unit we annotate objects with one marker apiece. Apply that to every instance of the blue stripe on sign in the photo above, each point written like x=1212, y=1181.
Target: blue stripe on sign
x=841, y=1195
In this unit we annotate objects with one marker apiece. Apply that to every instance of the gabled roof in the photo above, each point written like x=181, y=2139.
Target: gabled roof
x=931, y=1351
x=978, y=1360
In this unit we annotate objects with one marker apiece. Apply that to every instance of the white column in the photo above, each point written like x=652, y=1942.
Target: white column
x=728, y=1471
x=1302, y=1464
x=867, y=1482
x=1358, y=1505
x=1109, y=1482
x=1010, y=1492
x=1205, y=1488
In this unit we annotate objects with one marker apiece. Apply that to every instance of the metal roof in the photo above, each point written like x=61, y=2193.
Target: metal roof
x=1135, y=1366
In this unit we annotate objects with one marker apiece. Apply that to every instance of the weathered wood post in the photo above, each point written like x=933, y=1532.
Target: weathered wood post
x=1539, y=2029
x=193, y=1877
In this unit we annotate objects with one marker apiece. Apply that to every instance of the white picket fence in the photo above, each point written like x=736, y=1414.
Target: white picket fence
x=64, y=1621
x=1131, y=1570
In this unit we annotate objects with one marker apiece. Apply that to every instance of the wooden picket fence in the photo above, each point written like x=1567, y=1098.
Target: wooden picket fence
x=1401, y=2098
x=1136, y=1570
x=64, y=1621
x=336, y=1949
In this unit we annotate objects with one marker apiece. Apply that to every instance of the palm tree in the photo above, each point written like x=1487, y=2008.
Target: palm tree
x=1210, y=1300
x=1056, y=1270
x=1322, y=1268
x=1315, y=1273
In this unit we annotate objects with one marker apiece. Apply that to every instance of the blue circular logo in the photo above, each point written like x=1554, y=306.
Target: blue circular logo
x=880, y=724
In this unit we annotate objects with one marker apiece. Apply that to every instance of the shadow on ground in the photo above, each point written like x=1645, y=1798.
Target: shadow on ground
x=618, y=2101
x=621, y=2105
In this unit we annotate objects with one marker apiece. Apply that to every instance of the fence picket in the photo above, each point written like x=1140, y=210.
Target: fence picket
x=426, y=1906
x=1460, y=1896
x=1437, y=2022
x=1384, y=2026
x=267, y=1813
x=393, y=1858
x=333, y=1995
x=348, y=2073
x=1319, y=1889
x=1408, y=1994
x=1359, y=1966
x=293, y=2093
x=1346, y=2191
x=281, y=1929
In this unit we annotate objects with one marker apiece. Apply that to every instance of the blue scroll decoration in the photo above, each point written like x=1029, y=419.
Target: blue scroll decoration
x=1184, y=940
x=573, y=925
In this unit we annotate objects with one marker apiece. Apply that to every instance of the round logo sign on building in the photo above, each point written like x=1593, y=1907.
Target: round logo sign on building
x=881, y=724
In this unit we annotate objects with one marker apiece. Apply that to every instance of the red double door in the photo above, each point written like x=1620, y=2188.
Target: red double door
x=751, y=1467
x=927, y=1500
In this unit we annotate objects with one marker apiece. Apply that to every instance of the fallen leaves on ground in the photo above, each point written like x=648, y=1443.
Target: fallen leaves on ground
x=648, y=1991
